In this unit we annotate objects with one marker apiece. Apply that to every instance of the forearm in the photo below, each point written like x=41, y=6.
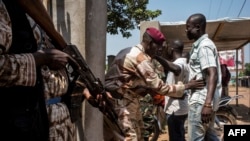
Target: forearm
x=175, y=90
x=168, y=65
x=18, y=70
x=154, y=82
x=212, y=78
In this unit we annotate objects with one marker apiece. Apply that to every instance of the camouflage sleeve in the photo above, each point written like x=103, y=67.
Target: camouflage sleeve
x=18, y=69
x=154, y=81
x=5, y=29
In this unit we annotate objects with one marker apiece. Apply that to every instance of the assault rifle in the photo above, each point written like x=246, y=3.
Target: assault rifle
x=81, y=71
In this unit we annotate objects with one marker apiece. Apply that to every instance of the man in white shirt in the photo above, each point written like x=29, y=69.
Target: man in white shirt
x=176, y=109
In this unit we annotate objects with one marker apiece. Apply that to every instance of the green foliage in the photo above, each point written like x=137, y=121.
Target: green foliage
x=125, y=15
x=241, y=74
x=247, y=69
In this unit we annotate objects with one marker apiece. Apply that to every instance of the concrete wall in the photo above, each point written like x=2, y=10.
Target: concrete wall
x=69, y=19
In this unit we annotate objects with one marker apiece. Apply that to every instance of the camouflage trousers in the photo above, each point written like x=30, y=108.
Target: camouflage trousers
x=130, y=118
x=147, y=109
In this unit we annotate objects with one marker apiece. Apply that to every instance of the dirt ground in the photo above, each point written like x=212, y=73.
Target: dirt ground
x=242, y=106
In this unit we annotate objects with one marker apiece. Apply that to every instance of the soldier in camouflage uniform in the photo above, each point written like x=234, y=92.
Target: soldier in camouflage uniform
x=132, y=69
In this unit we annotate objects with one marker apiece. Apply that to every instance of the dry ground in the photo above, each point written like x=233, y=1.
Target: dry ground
x=242, y=106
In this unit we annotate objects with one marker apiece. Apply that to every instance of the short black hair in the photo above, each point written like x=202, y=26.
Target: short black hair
x=199, y=19
x=179, y=44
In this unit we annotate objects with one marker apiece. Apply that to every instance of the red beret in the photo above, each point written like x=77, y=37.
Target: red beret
x=156, y=35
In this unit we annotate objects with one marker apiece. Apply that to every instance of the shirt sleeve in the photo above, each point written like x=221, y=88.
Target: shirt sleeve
x=207, y=58
x=154, y=81
x=17, y=70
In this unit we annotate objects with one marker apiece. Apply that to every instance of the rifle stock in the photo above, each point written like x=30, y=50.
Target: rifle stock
x=37, y=11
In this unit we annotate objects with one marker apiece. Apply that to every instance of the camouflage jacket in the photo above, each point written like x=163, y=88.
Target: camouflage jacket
x=132, y=67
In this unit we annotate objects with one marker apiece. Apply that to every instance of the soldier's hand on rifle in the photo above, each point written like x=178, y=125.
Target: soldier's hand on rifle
x=53, y=58
x=92, y=101
x=95, y=102
x=102, y=103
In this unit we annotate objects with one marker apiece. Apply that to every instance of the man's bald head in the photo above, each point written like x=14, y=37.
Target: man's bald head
x=200, y=19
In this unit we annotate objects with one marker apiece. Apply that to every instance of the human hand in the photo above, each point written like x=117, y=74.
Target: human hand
x=206, y=114
x=195, y=84
x=99, y=101
x=53, y=58
x=95, y=102
x=106, y=103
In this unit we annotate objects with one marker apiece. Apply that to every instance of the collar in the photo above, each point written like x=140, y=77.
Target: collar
x=139, y=46
x=142, y=49
x=197, y=42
